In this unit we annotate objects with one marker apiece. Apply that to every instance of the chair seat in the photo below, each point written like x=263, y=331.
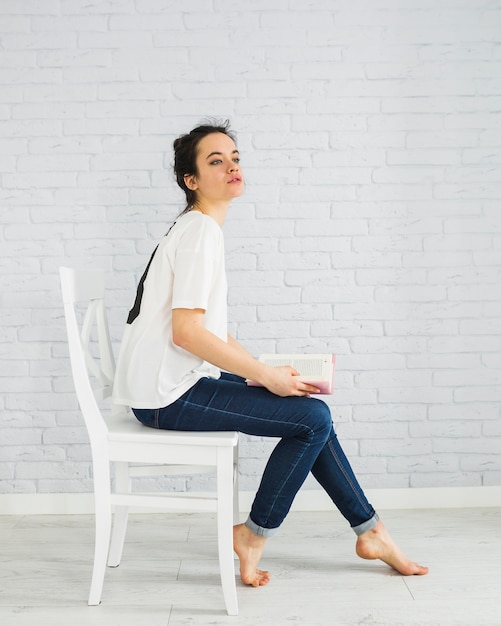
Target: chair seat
x=124, y=427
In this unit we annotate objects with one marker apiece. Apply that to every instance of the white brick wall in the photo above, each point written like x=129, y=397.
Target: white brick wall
x=371, y=225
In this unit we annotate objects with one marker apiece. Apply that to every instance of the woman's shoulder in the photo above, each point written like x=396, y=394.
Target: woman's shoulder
x=196, y=223
x=193, y=229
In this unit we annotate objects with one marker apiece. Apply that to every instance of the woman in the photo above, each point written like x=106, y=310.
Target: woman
x=176, y=352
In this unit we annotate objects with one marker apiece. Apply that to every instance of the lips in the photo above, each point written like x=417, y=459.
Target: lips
x=235, y=179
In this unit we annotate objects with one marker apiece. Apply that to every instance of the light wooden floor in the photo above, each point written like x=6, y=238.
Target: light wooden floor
x=169, y=573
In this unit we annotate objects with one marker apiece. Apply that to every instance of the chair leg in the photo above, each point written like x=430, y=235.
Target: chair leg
x=225, y=482
x=120, y=516
x=103, y=530
x=236, y=498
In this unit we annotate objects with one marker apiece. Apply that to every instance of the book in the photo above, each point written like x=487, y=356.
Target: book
x=314, y=369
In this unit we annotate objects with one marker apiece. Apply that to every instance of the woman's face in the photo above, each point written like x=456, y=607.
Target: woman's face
x=219, y=177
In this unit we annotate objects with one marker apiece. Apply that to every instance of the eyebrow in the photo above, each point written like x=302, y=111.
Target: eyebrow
x=220, y=154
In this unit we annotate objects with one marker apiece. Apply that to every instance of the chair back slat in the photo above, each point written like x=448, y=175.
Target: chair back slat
x=104, y=368
x=87, y=287
x=79, y=285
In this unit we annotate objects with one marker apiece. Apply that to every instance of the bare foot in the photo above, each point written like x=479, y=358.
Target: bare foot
x=377, y=544
x=249, y=548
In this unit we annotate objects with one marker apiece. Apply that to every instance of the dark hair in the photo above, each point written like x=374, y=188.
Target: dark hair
x=185, y=154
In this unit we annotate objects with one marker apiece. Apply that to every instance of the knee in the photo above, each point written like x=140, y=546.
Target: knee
x=321, y=419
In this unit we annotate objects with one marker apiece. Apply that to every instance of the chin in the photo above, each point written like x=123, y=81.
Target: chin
x=238, y=191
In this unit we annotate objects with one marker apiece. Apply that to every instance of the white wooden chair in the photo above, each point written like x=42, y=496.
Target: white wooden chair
x=120, y=440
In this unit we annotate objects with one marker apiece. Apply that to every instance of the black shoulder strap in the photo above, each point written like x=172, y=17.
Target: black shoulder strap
x=134, y=312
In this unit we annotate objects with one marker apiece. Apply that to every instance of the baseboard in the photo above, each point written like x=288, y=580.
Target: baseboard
x=387, y=499
x=306, y=500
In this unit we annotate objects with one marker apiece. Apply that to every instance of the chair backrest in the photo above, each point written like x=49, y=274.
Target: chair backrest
x=86, y=287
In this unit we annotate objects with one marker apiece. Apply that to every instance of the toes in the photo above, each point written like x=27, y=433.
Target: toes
x=258, y=578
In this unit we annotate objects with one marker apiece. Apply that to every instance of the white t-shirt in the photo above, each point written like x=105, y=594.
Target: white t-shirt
x=186, y=271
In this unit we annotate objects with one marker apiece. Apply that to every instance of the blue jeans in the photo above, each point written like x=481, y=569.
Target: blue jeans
x=307, y=443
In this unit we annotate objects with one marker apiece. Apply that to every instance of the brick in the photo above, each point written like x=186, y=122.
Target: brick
x=30, y=128
x=387, y=276
x=59, y=163
x=20, y=384
x=339, y=175
x=75, y=7
x=405, y=446
x=392, y=192
x=39, y=41
x=421, y=327
x=322, y=278
x=389, y=413
x=266, y=330
x=455, y=479
x=478, y=394
x=37, y=231
x=252, y=279
x=349, y=328
x=402, y=174
x=18, y=58
x=86, y=79
x=88, y=196
x=21, y=436
x=47, y=180
x=429, y=464
x=64, y=23
x=27, y=453
x=410, y=294
x=491, y=478
x=447, y=429
x=335, y=294
x=378, y=431
x=424, y=157
x=270, y=295
x=100, y=127
x=479, y=225
x=393, y=378
x=476, y=292
x=468, y=190
x=436, y=259
x=294, y=261
x=77, y=485
x=415, y=395
x=6, y=471
x=44, y=469
x=467, y=445
x=467, y=412
x=355, y=396
x=489, y=463
x=40, y=401
x=18, y=486
x=377, y=311
x=492, y=360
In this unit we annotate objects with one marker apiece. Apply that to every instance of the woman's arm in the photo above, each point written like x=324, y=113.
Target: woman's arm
x=189, y=333
x=238, y=346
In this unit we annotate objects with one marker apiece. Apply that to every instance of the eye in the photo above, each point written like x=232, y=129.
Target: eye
x=237, y=159
x=216, y=162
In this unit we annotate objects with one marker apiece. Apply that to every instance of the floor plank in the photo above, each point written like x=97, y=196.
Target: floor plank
x=169, y=573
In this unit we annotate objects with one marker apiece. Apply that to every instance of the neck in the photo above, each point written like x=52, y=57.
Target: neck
x=217, y=212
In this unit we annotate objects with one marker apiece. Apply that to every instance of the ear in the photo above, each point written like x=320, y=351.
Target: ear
x=190, y=181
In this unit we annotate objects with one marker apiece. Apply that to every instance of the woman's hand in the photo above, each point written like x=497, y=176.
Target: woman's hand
x=283, y=381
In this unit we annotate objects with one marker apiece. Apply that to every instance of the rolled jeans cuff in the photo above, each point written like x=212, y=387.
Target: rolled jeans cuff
x=259, y=530
x=363, y=528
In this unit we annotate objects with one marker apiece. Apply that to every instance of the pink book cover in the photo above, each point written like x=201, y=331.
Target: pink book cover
x=315, y=369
